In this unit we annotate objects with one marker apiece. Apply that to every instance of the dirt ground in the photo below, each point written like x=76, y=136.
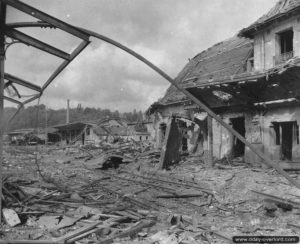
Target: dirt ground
x=118, y=195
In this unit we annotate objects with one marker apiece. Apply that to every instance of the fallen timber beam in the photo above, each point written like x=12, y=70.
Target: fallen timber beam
x=179, y=196
x=293, y=226
x=78, y=234
x=165, y=189
x=188, y=220
x=30, y=242
x=201, y=104
x=172, y=182
x=130, y=232
x=130, y=199
x=278, y=199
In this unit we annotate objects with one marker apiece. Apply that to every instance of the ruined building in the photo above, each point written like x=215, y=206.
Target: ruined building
x=252, y=81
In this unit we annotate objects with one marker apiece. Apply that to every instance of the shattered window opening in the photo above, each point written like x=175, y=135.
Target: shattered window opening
x=285, y=45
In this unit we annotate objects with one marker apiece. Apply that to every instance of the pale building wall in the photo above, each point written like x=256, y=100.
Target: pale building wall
x=266, y=43
x=280, y=115
x=259, y=132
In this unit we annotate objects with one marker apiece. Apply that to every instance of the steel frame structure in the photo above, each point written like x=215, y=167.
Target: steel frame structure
x=11, y=30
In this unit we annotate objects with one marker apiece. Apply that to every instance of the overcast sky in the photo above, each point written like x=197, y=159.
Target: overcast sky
x=167, y=32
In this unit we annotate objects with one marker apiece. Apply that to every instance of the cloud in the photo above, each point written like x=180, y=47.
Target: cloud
x=167, y=32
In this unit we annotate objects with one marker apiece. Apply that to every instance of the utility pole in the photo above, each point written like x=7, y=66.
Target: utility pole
x=46, y=126
x=2, y=60
x=68, y=111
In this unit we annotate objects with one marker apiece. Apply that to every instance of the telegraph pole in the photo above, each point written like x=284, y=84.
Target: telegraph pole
x=2, y=60
x=46, y=125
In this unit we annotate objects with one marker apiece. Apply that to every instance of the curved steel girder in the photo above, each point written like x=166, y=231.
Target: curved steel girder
x=194, y=99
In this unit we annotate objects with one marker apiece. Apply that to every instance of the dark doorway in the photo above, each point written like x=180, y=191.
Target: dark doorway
x=287, y=140
x=238, y=148
x=284, y=137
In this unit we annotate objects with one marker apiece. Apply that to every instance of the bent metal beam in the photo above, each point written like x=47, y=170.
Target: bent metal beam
x=201, y=104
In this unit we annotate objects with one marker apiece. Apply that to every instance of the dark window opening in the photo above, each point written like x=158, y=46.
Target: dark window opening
x=286, y=41
x=140, y=138
x=238, y=147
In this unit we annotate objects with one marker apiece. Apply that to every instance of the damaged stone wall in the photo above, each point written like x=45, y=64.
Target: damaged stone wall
x=163, y=117
x=260, y=131
x=193, y=127
x=224, y=141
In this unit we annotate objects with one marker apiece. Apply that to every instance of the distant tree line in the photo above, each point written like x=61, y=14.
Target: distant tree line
x=37, y=116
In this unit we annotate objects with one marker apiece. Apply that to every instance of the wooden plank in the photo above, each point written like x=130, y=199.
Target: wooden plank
x=278, y=199
x=18, y=35
x=180, y=196
x=29, y=242
x=132, y=231
x=106, y=224
x=77, y=232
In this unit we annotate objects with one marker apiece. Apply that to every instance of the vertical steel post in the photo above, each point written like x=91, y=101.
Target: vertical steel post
x=2, y=60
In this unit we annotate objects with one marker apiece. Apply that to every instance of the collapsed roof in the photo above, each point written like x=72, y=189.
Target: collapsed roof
x=223, y=75
x=223, y=60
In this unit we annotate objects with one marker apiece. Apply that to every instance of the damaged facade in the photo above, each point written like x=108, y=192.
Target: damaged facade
x=252, y=82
